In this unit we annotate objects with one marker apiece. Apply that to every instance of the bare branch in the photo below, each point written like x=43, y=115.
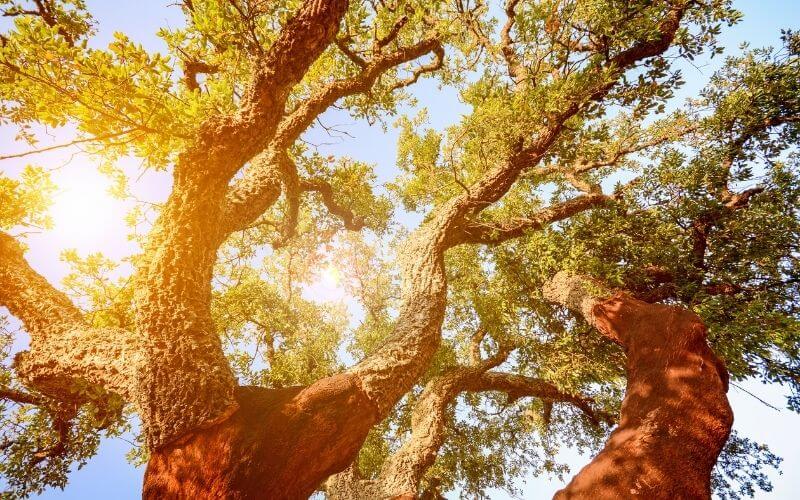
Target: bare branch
x=97, y=138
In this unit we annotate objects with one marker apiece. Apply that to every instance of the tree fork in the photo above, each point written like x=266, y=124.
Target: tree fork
x=675, y=417
x=280, y=444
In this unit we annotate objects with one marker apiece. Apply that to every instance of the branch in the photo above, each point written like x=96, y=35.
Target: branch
x=402, y=473
x=433, y=66
x=300, y=119
x=193, y=68
x=516, y=70
x=66, y=354
x=674, y=403
x=735, y=201
x=97, y=138
x=62, y=424
x=577, y=293
x=257, y=190
x=299, y=44
x=496, y=183
x=493, y=234
x=380, y=43
x=20, y=397
x=392, y=369
x=44, y=10
x=351, y=221
x=359, y=61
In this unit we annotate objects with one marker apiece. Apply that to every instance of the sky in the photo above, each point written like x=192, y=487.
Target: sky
x=88, y=220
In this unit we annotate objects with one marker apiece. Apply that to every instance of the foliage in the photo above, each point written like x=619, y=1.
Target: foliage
x=719, y=173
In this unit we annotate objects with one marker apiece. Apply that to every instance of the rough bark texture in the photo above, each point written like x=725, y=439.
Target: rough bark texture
x=186, y=383
x=281, y=444
x=675, y=417
x=67, y=357
x=208, y=438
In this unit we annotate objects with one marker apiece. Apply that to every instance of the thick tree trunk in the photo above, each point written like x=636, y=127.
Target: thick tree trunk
x=280, y=444
x=675, y=417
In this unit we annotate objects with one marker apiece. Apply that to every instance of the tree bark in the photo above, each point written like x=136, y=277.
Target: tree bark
x=675, y=417
x=185, y=383
x=208, y=438
x=402, y=473
x=280, y=444
x=67, y=358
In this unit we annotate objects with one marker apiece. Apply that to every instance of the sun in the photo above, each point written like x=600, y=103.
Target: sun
x=331, y=277
x=83, y=212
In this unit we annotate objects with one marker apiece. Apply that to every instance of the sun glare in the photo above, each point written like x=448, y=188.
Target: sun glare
x=331, y=277
x=83, y=211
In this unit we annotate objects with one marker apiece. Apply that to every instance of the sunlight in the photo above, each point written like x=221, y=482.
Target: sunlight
x=331, y=277
x=83, y=211
x=327, y=286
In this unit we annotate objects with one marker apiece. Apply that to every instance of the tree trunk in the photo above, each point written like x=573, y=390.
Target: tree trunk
x=280, y=444
x=675, y=417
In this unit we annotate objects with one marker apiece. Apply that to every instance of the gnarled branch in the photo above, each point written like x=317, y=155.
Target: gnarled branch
x=256, y=191
x=493, y=234
x=675, y=417
x=68, y=359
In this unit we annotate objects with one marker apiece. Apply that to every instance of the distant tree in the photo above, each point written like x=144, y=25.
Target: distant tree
x=568, y=202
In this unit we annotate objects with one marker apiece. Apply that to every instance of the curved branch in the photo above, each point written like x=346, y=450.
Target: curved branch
x=351, y=221
x=493, y=234
x=192, y=68
x=402, y=473
x=392, y=369
x=516, y=70
x=256, y=191
x=188, y=381
x=299, y=44
x=68, y=359
x=675, y=417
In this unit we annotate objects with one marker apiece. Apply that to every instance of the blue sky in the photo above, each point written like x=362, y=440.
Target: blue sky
x=108, y=475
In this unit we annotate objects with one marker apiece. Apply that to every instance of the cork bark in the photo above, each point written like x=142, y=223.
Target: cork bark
x=675, y=417
x=67, y=358
x=281, y=444
x=186, y=378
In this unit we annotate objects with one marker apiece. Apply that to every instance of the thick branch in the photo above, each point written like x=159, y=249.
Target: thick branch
x=256, y=191
x=298, y=45
x=492, y=234
x=393, y=368
x=402, y=473
x=20, y=397
x=187, y=380
x=675, y=417
x=68, y=359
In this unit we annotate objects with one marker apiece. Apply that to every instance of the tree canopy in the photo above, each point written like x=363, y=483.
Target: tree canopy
x=574, y=156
